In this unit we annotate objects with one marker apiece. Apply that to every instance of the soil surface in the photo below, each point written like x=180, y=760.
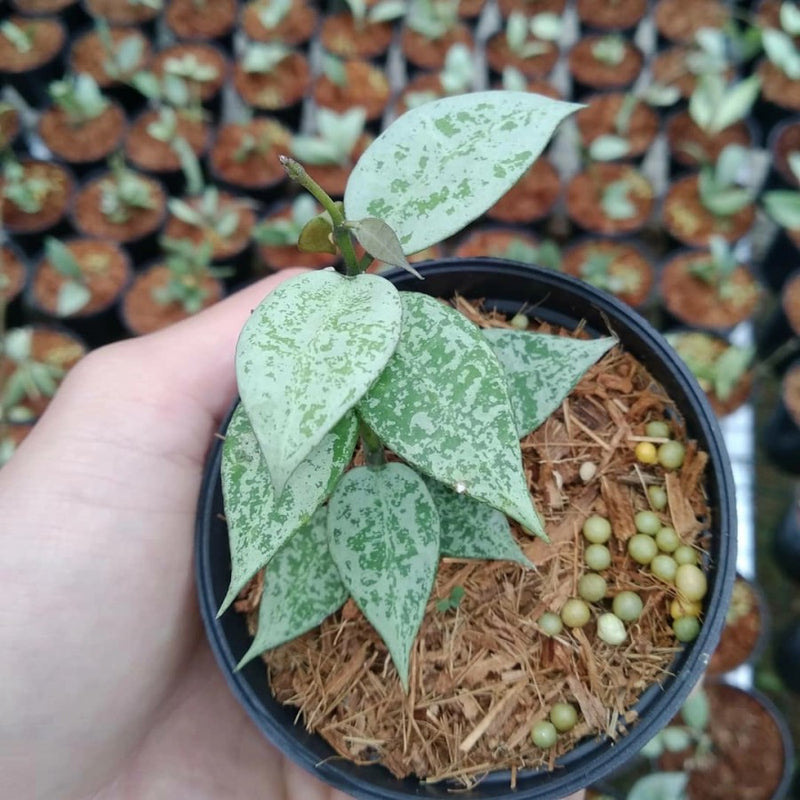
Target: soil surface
x=201, y=19
x=531, y=7
x=106, y=270
x=628, y=266
x=591, y=71
x=679, y=20
x=221, y=248
x=277, y=257
x=121, y=13
x=366, y=85
x=12, y=274
x=151, y=154
x=424, y=53
x=531, y=198
x=777, y=87
x=91, y=221
x=205, y=54
x=341, y=36
x=9, y=126
x=747, y=757
x=47, y=40
x=611, y=16
x=685, y=217
x=786, y=141
x=142, y=314
x=669, y=68
x=296, y=28
x=55, y=203
x=585, y=192
x=702, y=305
x=56, y=348
x=250, y=168
x=92, y=140
x=286, y=85
x=494, y=242
x=691, y=146
x=744, y=630
x=790, y=302
x=599, y=116
x=499, y=55
x=88, y=55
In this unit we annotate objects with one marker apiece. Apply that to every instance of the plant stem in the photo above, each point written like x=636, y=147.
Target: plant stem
x=297, y=173
x=373, y=447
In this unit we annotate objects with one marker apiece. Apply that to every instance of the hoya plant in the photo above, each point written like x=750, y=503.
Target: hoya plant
x=79, y=97
x=26, y=191
x=717, y=271
x=715, y=104
x=456, y=77
x=74, y=293
x=189, y=267
x=122, y=58
x=336, y=139
x=783, y=205
x=722, y=192
x=209, y=212
x=332, y=362
x=165, y=129
x=528, y=37
x=779, y=45
x=123, y=192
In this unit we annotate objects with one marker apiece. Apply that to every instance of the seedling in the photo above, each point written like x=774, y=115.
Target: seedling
x=457, y=77
x=695, y=714
x=597, y=270
x=79, y=97
x=718, y=270
x=27, y=192
x=612, y=146
x=73, y=294
x=779, y=45
x=716, y=105
x=721, y=192
x=209, y=213
x=718, y=367
x=547, y=254
x=783, y=205
x=519, y=29
x=123, y=193
x=452, y=601
x=165, y=129
x=432, y=19
x=273, y=12
x=262, y=58
x=21, y=38
x=29, y=380
x=170, y=89
x=189, y=268
x=350, y=356
x=616, y=200
x=122, y=58
x=609, y=50
x=382, y=11
x=336, y=139
x=285, y=231
x=270, y=134
x=190, y=68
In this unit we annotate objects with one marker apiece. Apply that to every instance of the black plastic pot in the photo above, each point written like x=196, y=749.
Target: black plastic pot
x=73, y=14
x=780, y=260
x=508, y=287
x=787, y=656
x=781, y=437
x=778, y=340
x=14, y=305
x=786, y=544
x=779, y=177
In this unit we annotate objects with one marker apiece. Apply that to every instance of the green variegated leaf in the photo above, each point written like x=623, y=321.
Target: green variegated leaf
x=660, y=786
x=72, y=297
x=384, y=538
x=471, y=529
x=468, y=150
x=442, y=405
x=258, y=524
x=307, y=355
x=302, y=587
x=541, y=370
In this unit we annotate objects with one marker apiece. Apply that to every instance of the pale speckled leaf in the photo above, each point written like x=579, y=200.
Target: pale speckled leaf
x=471, y=529
x=442, y=405
x=384, y=538
x=449, y=160
x=258, y=524
x=302, y=587
x=307, y=355
x=541, y=370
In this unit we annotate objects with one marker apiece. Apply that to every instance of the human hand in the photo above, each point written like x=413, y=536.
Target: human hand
x=109, y=687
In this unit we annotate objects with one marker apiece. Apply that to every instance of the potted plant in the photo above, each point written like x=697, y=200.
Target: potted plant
x=529, y=45
x=81, y=127
x=603, y=62
x=678, y=22
x=290, y=21
x=203, y=21
x=31, y=55
x=123, y=205
x=244, y=158
x=362, y=30
x=173, y=288
x=343, y=85
x=430, y=29
x=277, y=236
x=130, y=13
x=723, y=370
x=77, y=283
x=487, y=128
x=621, y=16
x=508, y=243
x=709, y=289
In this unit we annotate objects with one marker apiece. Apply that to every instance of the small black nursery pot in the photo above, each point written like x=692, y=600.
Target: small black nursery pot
x=561, y=300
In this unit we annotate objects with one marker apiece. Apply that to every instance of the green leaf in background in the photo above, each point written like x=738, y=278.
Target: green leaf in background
x=307, y=355
x=258, y=524
x=541, y=370
x=471, y=156
x=72, y=297
x=609, y=147
x=660, y=786
x=696, y=711
x=471, y=529
x=675, y=739
x=783, y=207
x=442, y=405
x=301, y=588
x=384, y=538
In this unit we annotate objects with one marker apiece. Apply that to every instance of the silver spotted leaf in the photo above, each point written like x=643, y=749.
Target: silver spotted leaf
x=542, y=369
x=307, y=355
x=301, y=588
x=442, y=405
x=258, y=523
x=471, y=529
x=383, y=533
x=442, y=164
